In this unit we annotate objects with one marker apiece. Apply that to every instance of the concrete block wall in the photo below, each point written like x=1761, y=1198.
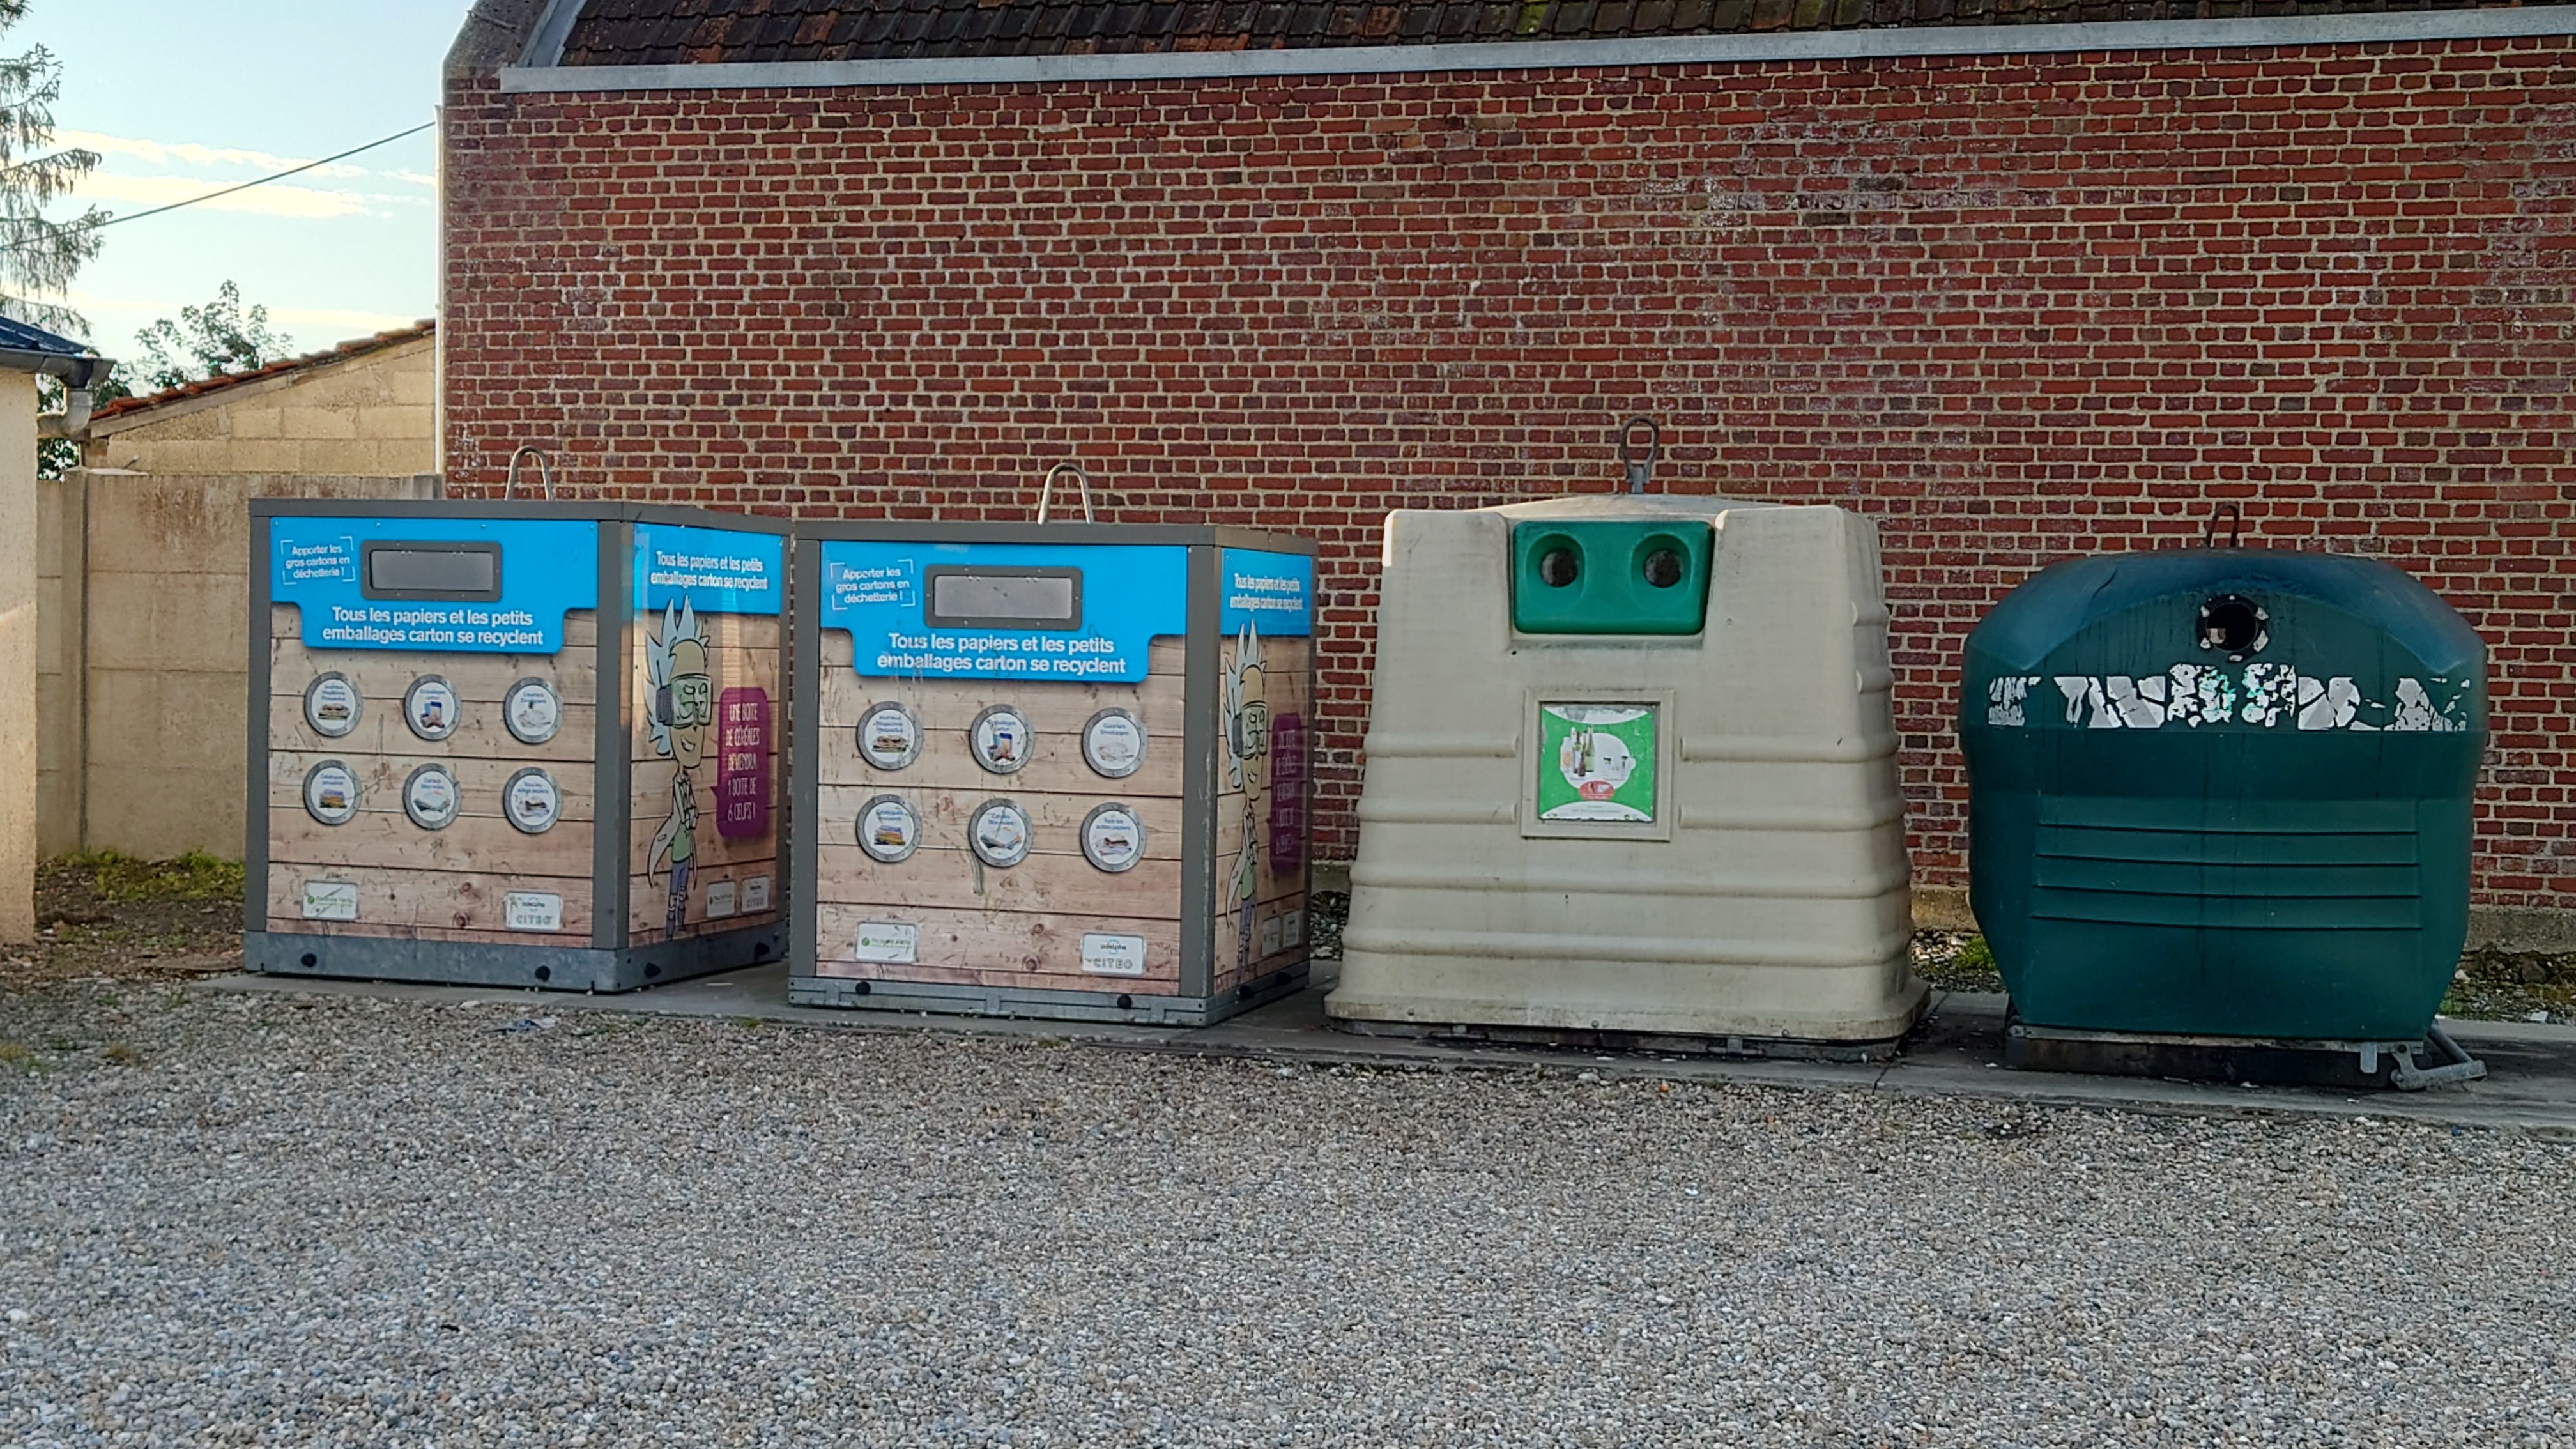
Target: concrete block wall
x=145, y=706
x=368, y=415
x=2017, y=308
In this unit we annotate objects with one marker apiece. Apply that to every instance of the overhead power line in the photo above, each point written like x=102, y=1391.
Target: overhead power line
x=263, y=181
x=244, y=186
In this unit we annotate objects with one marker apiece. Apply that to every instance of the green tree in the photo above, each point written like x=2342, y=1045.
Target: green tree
x=38, y=256
x=219, y=337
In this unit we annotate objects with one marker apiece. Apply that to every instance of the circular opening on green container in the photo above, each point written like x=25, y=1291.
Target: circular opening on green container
x=1558, y=565
x=1663, y=563
x=2232, y=624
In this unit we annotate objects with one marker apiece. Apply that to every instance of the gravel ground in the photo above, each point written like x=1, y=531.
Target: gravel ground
x=249, y=1220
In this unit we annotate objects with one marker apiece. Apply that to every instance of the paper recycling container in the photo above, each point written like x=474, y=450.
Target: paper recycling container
x=2223, y=792
x=1052, y=770
x=463, y=769
x=1632, y=773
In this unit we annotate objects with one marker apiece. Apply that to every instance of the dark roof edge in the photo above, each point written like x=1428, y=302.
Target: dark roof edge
x=1894, y=42
x=495, y=34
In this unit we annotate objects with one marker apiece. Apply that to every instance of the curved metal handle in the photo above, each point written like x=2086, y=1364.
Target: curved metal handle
x=2235, y=526
x=1640, y=460
x=545, y=474
x=1046, y=490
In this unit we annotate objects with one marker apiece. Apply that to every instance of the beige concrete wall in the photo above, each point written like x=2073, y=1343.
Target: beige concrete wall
x=147, y=738
x=368, y=415
x=18, y=652
x=58, y=643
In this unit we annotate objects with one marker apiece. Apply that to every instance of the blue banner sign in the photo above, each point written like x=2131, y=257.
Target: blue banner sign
x=1003, y=611
x=1273, y=592
x=716, y=571
x=443, y=585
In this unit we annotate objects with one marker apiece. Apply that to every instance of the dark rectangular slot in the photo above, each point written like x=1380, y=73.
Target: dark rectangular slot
x=988, y=598
x=470, y=572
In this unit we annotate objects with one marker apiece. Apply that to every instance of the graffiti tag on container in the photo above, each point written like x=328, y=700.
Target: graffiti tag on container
x=2191, y=695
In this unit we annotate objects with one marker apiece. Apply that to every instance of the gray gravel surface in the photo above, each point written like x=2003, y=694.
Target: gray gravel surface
x=253, y=1220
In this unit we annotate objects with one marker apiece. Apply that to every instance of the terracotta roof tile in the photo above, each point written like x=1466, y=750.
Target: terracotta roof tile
x=356, y=347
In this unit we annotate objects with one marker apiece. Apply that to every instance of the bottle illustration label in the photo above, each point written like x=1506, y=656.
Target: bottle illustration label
x=1597, y=762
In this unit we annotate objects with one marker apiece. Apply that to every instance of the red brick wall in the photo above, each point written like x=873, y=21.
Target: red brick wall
x=2014, y=308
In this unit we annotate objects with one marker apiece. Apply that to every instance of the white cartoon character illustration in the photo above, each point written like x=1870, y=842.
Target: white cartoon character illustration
x=680, y=708
x=1247, y=750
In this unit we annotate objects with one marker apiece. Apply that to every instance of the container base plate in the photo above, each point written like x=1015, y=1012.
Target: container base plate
x=2268, y=1061
x=1032, y=1003
x=1585, y=1039
x=531, y=967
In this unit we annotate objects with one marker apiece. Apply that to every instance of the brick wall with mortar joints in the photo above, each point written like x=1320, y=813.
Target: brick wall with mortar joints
x=2015, y=308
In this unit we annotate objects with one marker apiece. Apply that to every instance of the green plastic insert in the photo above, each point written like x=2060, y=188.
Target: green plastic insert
x=1610, y=576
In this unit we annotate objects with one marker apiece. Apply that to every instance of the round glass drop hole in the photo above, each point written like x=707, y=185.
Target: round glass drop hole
x=545, y=973
x=308, y=958
x=1558, y=567
x=2233, y=625
x=1664, y=568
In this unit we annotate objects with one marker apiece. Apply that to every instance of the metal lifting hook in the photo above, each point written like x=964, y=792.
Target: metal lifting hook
x=2235, y=526
x=1046, y=490
x=1640, y=461
x=545, y=475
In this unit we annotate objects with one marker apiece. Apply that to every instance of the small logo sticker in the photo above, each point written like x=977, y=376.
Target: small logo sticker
x=330, y=900
x=720, y=898
x=888, y=943
x=532, y=911
x=1107, y=955
x=755, y=894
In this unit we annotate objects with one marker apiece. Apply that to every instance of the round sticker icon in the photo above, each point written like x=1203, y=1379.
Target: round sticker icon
x=532, y=711
x=1001, y=739
x=1113, y=744
x=429, y=797
x=429, y=707
x=1112, y=837
x=331, y=793
x=331, y=705
x=999, y=833
x=532, y=802
x=889, y=828
x=889, y=736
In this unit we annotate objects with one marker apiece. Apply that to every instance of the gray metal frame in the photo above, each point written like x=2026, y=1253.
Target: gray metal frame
x=609, y=963
x=1198, y=1002
x=538, y=70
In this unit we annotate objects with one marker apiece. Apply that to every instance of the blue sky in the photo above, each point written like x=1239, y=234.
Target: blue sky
x=182, y=97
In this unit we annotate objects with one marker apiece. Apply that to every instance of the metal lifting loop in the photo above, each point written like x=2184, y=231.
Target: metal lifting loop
x=545, y=475
x=2235, y=526
x=1640, y=461
x=1046, y=490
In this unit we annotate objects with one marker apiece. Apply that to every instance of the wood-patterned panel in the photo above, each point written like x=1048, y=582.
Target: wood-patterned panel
x=998, y=949
x=410, y=903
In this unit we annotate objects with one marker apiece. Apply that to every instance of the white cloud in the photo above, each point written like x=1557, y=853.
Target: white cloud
x=274, y=199
x=189, y=153
x=340, y=325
